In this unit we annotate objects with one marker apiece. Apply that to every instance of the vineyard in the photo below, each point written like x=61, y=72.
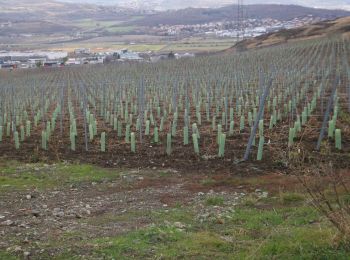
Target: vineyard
x=262, y=106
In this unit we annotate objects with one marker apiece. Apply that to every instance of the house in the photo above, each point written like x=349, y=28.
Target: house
x=37, y=60
x=73, y=61
x=82, y=51
x=8, y=66
x=186, y=55
x=94, y=60
x=24, y=66
x=131, y=56
x=52, y=64
x=126, y=55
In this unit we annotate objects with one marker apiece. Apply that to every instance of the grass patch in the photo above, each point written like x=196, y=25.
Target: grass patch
x=83, y=173
x=165, y=243
x=291, y=198
x=120, y=29
x=183, y=215
x=250, y=201
x=201, y=245
x=301, y=243
x=4, y=255
x=215, y=201
x=208, y=182
x=346, y=199
x=141, y=244
x=344, y=115
x=286, y=233
x=50, y=176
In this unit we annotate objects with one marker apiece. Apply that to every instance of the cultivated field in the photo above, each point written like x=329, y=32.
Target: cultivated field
x=197, y=112
x=232, y=156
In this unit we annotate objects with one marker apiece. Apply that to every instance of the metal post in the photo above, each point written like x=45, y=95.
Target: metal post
x=256, y=123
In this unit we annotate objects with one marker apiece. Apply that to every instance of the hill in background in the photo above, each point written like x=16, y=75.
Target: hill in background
x=322, y=29
x=203, y=15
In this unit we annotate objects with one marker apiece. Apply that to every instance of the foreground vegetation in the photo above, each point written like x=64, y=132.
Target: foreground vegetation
x=258, y=220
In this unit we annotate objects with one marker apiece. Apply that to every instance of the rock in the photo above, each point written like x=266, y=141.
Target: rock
x=28, y=197
x=26, y=254
x=17, y=249
x=7, y=223
x=57, y=212
x=36, y=213
x=264, y=194
x=179, y=225
x=23, y=225
x=2, y=217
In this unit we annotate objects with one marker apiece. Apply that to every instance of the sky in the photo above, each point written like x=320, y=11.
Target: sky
x=330, y=4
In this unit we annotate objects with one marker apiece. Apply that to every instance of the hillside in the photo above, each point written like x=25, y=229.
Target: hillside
x=24, y=22
x=22, y=10
x=55, y=17
x=182, y=4
x=204, y=15
x=328, y=28
x=59, y=12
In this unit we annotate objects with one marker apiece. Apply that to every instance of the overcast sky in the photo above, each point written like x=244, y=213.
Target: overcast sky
x=331, y=4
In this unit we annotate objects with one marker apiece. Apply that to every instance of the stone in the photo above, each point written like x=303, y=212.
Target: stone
x=7, y=223
x=57, y=212
x=179, y=225
x=35, y=213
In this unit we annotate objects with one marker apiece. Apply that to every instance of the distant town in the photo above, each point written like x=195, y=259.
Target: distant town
x=81, y=56
x=253, y=27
